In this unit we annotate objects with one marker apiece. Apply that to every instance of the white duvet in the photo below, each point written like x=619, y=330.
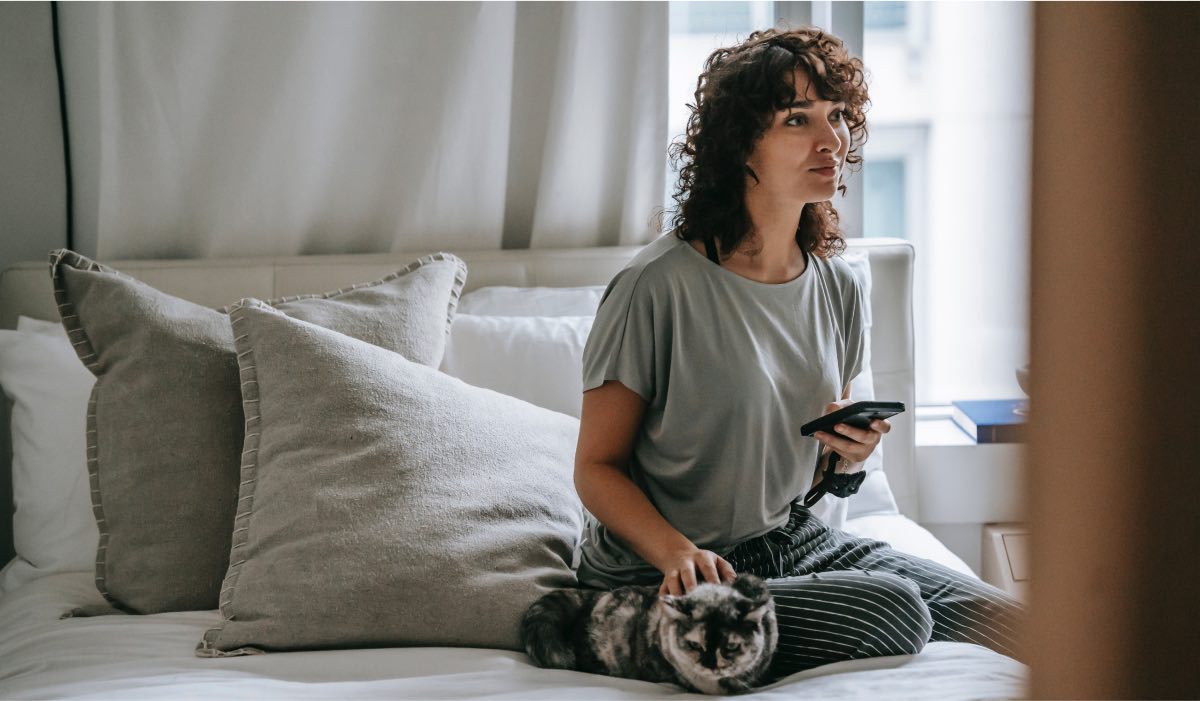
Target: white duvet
x=138, y=657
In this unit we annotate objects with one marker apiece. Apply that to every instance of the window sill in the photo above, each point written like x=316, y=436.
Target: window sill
x=939, y=430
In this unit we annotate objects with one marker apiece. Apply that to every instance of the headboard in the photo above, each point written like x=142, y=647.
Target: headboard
x=25, y=290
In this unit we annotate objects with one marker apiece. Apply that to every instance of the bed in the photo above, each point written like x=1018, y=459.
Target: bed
x=518, y=329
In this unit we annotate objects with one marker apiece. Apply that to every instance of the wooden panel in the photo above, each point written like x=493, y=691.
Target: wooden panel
x=1114, y=340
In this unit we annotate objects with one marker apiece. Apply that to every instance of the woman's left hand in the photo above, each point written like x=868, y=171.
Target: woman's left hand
x=855, y=445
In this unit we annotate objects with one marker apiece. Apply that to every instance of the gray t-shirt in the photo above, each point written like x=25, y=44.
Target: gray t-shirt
x=730, y=369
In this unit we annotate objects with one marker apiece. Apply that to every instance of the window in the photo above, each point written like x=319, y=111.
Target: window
x=950, y=126
x=947, y=166
x=884, y=184
x=884, y=16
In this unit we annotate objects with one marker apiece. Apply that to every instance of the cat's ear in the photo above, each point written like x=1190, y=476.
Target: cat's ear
x=752, y=588
x=675, y=607
x=751, y=610
x=755, y=615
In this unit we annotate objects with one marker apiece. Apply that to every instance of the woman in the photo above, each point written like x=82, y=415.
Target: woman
x=717, y=343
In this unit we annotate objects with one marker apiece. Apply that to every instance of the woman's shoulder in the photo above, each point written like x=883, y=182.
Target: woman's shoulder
x=839, y=273
x=843, y=281
x=834, y=265
x=659, y=265
x=662, y=255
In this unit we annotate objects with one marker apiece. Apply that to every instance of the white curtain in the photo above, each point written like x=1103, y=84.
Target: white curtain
x=213, y=130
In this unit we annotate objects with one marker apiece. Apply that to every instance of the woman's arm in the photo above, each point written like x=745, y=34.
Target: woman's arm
x=608, y=425
x=855, y=445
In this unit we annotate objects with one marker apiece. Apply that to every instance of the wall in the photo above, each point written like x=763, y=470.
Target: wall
x=33, y=215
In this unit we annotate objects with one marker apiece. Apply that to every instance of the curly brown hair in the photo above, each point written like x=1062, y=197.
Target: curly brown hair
x=737, y=96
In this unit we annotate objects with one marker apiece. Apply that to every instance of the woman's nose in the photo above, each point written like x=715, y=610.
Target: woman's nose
x=828, y=140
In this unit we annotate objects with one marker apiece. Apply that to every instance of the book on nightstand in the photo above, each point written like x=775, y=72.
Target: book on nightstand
x=992, y=420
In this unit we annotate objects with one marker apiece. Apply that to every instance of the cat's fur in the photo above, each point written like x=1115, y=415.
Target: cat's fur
x=716, y=639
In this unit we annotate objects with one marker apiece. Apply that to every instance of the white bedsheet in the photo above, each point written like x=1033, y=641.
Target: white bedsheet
x=140, y=657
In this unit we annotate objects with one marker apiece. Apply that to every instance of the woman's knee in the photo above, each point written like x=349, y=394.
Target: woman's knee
x=910, y=622
x=869, y=614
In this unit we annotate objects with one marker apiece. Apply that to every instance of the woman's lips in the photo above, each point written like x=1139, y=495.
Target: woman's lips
x=828, y=172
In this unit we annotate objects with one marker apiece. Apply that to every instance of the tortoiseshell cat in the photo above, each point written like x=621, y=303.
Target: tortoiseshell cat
x=716, y=639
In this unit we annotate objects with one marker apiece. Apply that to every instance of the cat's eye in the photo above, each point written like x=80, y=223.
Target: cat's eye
x=732, y=647
x=695, y=646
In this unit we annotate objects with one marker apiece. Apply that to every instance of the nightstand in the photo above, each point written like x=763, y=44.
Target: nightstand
x=962, y=486
x=1005, y=558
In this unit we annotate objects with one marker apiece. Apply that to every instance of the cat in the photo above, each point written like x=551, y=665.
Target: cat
x=716, y=639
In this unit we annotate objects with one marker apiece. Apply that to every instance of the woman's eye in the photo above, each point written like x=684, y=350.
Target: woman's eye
x=837, y=117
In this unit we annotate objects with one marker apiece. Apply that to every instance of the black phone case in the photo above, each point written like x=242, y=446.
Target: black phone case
x=858, y=414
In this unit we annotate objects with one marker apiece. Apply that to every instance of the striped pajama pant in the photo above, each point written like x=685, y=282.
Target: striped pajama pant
x=840, y=597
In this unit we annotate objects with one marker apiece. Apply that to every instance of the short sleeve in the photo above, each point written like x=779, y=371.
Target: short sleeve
x=622, y=344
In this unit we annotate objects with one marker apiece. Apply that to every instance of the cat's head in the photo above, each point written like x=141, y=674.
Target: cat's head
x=719, y=631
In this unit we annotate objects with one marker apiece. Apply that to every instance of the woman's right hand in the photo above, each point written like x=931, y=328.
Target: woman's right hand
x=609, y=421
x=682, y=570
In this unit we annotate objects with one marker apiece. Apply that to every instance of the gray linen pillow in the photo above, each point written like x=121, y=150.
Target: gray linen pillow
x=384, y=502
x=165, y=424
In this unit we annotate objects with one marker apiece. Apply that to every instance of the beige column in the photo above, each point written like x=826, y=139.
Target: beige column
x=1114, y=464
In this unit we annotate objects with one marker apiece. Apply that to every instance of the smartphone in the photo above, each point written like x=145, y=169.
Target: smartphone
x=858, y=414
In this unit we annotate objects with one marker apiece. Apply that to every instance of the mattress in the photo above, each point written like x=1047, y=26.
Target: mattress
x=137, y=657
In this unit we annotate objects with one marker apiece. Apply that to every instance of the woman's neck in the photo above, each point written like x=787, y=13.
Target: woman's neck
x=770, y=253
x=783, y=263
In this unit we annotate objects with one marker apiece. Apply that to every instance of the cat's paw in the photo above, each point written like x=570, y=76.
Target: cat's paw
x=735, y=686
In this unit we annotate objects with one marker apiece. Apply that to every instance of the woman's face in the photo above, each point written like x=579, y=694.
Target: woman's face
x=799, y=158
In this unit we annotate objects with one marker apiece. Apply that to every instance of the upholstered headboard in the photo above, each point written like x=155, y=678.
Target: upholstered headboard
x=25, y=290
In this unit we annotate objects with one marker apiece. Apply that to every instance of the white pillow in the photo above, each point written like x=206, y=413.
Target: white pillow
x=53, y=527
x=45, y=328
x=532, y=301
x=535, y=358
x=875, y=494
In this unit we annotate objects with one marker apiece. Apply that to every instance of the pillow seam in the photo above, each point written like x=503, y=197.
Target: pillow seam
x=83, y=348
x=92, y=453
x=460, y=279
x=248, y=474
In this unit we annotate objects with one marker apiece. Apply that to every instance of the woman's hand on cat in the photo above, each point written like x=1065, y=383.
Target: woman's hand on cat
x=680, y=571
x=855, y=445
